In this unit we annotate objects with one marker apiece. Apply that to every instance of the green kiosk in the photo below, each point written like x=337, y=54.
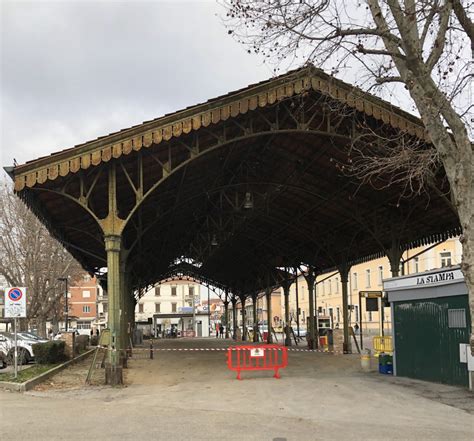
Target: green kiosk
x=431, y=326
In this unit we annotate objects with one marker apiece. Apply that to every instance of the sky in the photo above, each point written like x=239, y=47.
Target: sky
x=73, y=71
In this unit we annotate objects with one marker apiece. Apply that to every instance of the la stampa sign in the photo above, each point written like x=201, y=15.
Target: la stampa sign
x=15, y=302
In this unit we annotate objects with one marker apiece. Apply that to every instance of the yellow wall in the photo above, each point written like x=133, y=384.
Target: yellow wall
x=329, y=292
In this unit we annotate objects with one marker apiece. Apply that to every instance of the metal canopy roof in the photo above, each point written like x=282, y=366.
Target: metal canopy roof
x=242, y=184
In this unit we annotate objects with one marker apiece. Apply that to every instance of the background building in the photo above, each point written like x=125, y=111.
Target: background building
x=166, y=298
x=367, y=276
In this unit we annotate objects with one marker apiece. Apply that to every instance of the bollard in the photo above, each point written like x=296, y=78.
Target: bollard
x=365, y=360
x=151, y=351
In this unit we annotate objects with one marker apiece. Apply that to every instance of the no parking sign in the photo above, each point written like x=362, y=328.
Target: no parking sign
x=15, y=302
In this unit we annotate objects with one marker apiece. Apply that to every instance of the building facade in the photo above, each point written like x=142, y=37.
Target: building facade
x=82, y=304
x=366, y=276
x=166, y=298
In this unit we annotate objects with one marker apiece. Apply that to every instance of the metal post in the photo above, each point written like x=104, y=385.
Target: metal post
x=381, y=316
x=16, y=348
x=67, y=307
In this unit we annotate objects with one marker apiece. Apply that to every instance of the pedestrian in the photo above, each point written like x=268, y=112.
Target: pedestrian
x=217, y=330
x=92, y=332
x=356, y=328
x=222, y=331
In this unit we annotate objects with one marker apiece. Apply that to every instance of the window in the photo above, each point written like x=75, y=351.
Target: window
x=380, y=274
x=191, y=290
x=304, y=319
x=354, y=280
x=157, y=291
x=86, y=277
x=140, y=307
x=86, y=309
x=302, y=292
x=456, y=318
x=356, y=312
x=445, y=259
x=417, y=265
x=367, y=278
x=105, y=307
x=173, y=307
x=320, y=309
x=338, y=314
x=337, y=284
x=324, y=289
x=329, y=286
x=83, y=325
x=86, y=294
x=174, y=290
x=157, y=307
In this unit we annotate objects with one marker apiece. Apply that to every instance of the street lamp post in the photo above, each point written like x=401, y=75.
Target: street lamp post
x=64, y=279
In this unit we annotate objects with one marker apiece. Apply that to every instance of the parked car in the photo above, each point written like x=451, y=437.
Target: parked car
x=25, y=349
x=31, y=336
x=302, y=332
x=3, y=358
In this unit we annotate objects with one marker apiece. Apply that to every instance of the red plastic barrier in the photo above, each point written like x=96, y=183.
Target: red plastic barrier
x=257, y=358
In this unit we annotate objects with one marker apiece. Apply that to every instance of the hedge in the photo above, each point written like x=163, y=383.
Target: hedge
x=50, y=352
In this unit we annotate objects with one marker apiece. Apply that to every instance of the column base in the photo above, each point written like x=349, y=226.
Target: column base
x=346, y=348
x=113, y=375
x=123, y=360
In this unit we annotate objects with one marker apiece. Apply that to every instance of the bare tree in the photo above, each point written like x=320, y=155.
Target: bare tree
x=425, y=45
x=31, y=257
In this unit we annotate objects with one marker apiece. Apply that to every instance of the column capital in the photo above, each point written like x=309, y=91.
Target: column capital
x=344, y=269
x=113, y=242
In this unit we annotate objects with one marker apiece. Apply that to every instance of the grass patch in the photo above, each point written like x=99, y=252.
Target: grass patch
x=27, y=374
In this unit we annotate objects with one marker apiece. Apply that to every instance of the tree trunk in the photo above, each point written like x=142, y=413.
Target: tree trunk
x=41, y=323
x=456, y=153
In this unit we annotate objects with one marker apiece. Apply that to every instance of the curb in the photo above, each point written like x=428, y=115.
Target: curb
x=30, y=384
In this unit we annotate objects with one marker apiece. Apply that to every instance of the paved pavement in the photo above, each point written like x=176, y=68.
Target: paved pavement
x=190, y=395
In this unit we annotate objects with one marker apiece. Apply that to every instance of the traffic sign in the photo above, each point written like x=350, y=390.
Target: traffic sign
x=371, y=294
x=15, y=302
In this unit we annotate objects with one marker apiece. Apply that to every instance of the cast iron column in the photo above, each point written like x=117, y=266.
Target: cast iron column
x=244, y=318
x=344, y=272
x=113, y=369
x=286, y=293
x=310, y=278
x=234, y=317
x=268, y=296
x=255, y=318
x=226, y=314
x=297, y=305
